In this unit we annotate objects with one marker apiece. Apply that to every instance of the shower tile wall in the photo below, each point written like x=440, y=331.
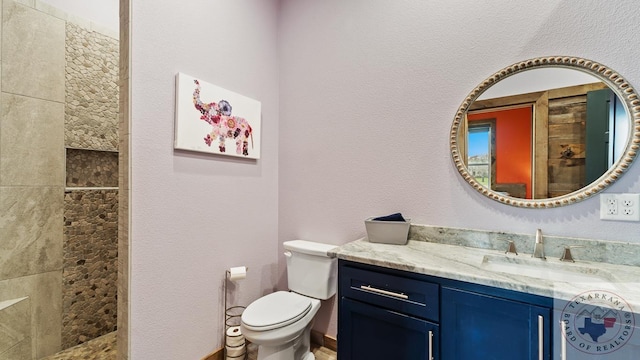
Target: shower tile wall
x=32, y=170
x=32, y=52
x=90, y=265
x=91, y=215
x=15, y=336
x=92, y=168
x=90, y=246
x=91, y=114
x=59, y=90
x=45, y=296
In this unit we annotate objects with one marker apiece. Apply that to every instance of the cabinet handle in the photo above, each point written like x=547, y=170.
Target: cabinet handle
x=430, y=345
x=540, y=337
x=563, y=341
x=384, y=292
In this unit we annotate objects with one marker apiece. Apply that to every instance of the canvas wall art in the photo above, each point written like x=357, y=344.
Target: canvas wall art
x=215, y=120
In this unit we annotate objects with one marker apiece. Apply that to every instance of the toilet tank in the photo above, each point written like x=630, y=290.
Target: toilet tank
x=310, y=271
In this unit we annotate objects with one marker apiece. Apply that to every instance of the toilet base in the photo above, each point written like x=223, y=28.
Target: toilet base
x=297, y=349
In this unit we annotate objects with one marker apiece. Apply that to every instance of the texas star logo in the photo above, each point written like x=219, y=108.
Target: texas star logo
x=597, y=322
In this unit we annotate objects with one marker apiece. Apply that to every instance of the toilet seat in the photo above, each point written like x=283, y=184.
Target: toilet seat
x=275, y=310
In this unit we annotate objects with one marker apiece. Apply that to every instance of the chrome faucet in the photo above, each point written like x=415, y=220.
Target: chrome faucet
x=512, y=248
x=538, y=250
x=566, y=254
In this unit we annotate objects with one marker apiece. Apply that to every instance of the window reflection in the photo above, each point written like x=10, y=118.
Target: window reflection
x=479, y=161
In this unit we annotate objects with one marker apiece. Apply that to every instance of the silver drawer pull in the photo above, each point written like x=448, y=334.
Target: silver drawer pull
x=540, y=337
x=384, y=292
x=431, y=345
x=563, y=341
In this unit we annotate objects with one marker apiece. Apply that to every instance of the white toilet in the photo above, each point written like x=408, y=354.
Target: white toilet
x=280, y=323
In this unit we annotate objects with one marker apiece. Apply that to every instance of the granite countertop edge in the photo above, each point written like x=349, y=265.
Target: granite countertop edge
x=465, y=264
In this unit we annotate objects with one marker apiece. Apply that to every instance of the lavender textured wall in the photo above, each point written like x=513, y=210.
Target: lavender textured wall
x=368, y=92
x=357, y=100
x=194, y=215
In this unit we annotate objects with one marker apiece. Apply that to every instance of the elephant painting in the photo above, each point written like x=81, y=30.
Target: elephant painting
x=224, y=125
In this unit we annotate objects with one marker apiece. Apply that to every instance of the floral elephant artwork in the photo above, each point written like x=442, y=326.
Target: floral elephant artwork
x=224, y=125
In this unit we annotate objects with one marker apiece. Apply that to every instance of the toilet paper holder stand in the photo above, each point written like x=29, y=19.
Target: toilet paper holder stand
x=232, y=315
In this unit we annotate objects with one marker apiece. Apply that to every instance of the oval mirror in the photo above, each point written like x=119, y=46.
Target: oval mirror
x=546, y=132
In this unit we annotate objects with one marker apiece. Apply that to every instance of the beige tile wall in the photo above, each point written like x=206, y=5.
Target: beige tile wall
x=32, y=177
x=22, y=351
x=32, y=171
x=15, y=329
x=31, y=219
x=32, y=52
x=44, y=291
x=31, y=141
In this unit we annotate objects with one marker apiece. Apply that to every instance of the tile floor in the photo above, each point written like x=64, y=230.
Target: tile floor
x=104, y=348
x=321, y=353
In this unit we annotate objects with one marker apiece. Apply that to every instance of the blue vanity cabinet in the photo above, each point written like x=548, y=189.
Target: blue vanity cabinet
x=391, y=314
x=479, y=326
x=383, y=316
x=378, y=333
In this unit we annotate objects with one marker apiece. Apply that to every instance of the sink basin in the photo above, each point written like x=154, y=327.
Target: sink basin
x=546, y=269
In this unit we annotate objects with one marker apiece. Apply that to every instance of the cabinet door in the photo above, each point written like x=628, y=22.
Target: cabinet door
x=478, y=326
x=368, y=332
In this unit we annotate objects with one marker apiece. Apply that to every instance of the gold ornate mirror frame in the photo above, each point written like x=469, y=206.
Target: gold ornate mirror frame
x=611, y=78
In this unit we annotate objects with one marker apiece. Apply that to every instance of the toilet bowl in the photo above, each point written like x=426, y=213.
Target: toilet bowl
x=277, y=321
x=280, y=323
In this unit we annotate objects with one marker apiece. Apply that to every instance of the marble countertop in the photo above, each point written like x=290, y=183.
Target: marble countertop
x=551, y=277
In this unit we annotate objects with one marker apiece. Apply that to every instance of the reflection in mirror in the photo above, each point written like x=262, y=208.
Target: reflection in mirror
x=545, y=132
x=511, y=163
x=579, y=119
x=482, y=146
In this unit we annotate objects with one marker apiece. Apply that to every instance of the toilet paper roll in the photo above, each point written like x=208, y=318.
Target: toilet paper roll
x=240, y=357
x=235, y=352
x=234, y=331
x=236, y=341
x=237, y=273
x=234, y=336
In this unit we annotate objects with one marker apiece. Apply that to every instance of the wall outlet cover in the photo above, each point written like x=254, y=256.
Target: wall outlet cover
x=621, y=207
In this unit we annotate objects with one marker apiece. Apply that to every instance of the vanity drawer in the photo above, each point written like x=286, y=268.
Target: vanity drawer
x=401, y=294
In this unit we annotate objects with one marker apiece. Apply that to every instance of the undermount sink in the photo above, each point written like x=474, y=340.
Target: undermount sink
x=545, y=269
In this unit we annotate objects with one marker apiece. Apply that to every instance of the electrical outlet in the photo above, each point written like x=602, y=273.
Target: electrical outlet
x=608, y=206
x=624, y=207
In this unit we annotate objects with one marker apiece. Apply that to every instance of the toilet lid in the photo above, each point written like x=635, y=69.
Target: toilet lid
x=275, y=310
